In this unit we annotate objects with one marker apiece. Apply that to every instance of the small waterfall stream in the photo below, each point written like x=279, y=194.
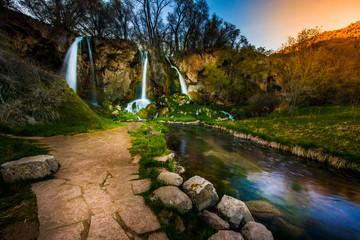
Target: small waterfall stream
x=138, y=104
x=70, y=64
x=181, y=79
x=92, y=72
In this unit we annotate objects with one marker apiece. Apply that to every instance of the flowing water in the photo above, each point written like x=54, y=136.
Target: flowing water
x=93, y=97
x=314, y=202
x=70, y=64
x=181, y=79
x=136, y=105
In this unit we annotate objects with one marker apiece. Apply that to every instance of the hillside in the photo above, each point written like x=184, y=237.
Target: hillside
x=345, y=35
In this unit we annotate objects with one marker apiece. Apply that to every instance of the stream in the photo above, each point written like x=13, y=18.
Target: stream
x=311, y=201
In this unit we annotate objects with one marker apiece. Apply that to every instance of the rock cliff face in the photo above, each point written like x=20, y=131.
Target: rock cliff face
x=34, y=41
x=118, y=69
x=192, y=66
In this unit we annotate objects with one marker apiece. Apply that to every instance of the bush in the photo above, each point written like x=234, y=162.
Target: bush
x=263, y=104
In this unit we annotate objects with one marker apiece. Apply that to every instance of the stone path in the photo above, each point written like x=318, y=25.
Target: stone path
x=93, y=195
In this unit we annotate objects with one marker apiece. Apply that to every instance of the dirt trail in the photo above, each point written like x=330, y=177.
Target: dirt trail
x=93, y=195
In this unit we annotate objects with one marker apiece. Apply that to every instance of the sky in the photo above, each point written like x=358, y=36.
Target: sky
x=269, y=23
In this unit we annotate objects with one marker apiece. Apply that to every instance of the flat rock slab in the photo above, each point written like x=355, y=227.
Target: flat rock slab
x=29, y=168
x=136, y=215
x=103, y=226
x=172, y=196
x=140, y=186
x=72, y=232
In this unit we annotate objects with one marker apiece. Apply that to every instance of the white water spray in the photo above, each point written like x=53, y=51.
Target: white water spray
x=70, y=64
x=138, y=104
x=182, y=81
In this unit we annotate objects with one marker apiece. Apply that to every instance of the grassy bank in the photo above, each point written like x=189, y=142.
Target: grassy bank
x=149, y=142
x=17, y=201
x=331, y=129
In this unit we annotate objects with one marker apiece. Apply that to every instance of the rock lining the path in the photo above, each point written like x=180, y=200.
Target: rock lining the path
x=256, y=231
x=214, y=221
x=235, y=210
x=34, y=167
x=170, y=178
x=226, y=235
x=201, y=192
x=172, y=196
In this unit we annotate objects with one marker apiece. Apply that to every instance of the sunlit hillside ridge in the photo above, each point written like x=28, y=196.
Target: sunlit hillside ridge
x=350, y=32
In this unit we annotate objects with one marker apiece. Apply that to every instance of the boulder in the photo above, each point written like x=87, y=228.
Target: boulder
x=201, y=192
x=29, y=168
x=256, y=231
x=172, y=196
x=214, y=221
x=235, y=210
x=226, y=235
x=170, y=178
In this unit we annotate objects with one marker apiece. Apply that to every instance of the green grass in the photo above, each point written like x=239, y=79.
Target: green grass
x=17, y=201
x=16, y=148
x=332, y=129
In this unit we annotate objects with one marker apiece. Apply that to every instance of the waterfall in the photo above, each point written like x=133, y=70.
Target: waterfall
x=92, y=72
x=143, y=90
x=138, y=104
x=231, y=118
x=182, y=81
x=70, y=64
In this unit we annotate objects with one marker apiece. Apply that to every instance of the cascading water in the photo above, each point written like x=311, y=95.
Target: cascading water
x=92, y=72
x=70, y=64
x=231, y=117
x=182, y=81
x=138, y=104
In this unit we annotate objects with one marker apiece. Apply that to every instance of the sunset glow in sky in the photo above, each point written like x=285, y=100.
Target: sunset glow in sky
x=269, y=22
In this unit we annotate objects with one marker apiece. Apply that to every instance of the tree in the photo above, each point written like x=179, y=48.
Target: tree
x=62, y=14
x=96, y=20
x=149, y=28
x=121, y=13
x=298, y=74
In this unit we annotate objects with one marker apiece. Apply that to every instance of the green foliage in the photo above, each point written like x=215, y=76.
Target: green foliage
x=236, y=75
